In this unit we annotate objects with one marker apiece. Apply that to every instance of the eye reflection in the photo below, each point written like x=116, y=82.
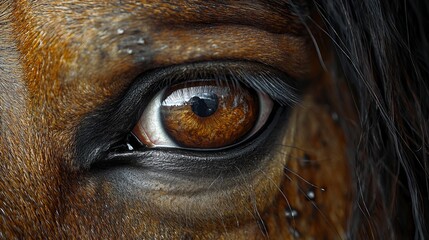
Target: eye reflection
x=203, y=114
x=204, y=105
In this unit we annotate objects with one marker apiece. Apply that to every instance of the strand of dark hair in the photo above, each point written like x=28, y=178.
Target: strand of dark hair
x=383, y=52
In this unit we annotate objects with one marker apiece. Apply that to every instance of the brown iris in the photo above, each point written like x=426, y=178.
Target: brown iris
x=208, y=114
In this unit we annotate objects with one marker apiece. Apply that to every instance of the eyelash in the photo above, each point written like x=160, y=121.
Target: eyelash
x=280, y=87
x=120, y=115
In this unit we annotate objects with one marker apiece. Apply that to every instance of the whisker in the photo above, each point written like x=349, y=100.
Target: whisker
x=324, y=217
x=304, y=180
x=283, y=194
x=259, y=219
x=214, y=181
x=289, y=146
x=313, y=39
x=223, y=222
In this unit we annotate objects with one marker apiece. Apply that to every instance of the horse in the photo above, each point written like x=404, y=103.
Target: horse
x=286, y=119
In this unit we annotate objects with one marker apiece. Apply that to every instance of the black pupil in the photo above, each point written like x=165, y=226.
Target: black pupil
x=204, y=105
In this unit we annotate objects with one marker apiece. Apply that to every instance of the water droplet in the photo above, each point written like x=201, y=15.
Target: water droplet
x=291, y=213
x=129, y=51
x=323, y=189
x=311, y=195
x=130, y=148
x=294, y=232
x=141, y=41
x=120, y=31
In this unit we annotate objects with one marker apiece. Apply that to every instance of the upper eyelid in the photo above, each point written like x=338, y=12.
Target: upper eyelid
x=278, y=85
x=280, y=89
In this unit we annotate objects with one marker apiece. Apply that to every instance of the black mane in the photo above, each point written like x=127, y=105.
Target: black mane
x=383, y=55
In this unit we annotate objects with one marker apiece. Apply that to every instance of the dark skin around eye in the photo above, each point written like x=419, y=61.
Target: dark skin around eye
x=73, y=58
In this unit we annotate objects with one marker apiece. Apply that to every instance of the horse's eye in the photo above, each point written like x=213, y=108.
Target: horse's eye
x=203, y=115
x=199, y=112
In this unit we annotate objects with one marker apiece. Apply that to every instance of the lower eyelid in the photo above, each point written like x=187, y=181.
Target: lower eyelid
x=179, y=162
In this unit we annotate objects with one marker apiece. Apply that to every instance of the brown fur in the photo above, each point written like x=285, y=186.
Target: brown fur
x=60, y=60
